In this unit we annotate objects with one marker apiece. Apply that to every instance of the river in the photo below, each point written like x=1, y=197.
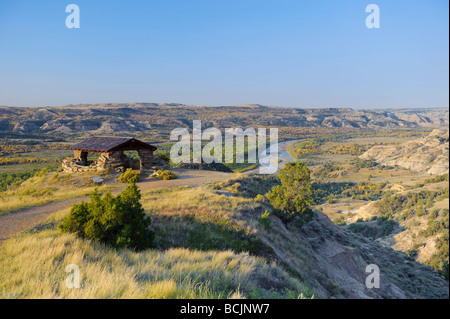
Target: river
x=282, y=157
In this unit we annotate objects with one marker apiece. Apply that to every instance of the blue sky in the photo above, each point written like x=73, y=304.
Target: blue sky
x=216, y=52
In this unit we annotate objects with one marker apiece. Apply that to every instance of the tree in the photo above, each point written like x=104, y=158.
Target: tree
x=118, y=221
x=293, y=197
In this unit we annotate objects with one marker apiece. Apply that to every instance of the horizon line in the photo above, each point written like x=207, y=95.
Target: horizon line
x=249, y=105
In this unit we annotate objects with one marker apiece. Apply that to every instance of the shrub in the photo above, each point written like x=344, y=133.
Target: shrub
x=387, y=227
x=43, y=172
x=444, y=271
x=165, y=175
x=340, y=221
x=13, y=179
x=264, y=219
x=117, y=221
x=420, y=211
x=129, y=176
x=365, y=230
x=259, y=198
x=434, y=214
x=293, y=197
x=163, y=155
x=435, y=227
x=439, y=260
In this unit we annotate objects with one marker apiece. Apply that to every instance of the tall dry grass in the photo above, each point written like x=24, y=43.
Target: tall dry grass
x=33, y=263
x=40, y=190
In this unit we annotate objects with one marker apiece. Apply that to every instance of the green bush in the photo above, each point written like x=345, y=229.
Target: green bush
x=163, y=155
x=439, y=260
x=165, y=175
x=117, y=221
x=434, y=214
x=293, y=197
x=43, y=172
x=13, y=179
x=420, y=211
x=129, y=176
x=389, y=205
x=340, y=221
x=259, y=198
x=444, y=271
x=264, y=219
x=387, y=227
x=435, y=227
x=366, y=230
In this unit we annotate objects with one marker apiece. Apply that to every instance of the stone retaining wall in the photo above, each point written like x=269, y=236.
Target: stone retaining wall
x=115, y=162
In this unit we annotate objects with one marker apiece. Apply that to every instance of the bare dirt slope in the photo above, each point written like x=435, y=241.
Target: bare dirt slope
x=426, y=155
x=338, y=260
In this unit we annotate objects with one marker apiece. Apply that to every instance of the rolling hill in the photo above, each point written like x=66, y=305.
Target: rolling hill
x=119, y=118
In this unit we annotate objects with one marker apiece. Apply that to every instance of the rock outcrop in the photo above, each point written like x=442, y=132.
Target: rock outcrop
x=425, y=155
x=140, y=117
x=335, y=262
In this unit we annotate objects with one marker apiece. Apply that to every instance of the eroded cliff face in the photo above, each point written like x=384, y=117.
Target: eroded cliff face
x=425, y=155
x=334, y=262
x=135, y=117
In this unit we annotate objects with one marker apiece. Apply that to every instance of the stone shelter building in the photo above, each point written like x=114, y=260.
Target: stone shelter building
x=112, y=156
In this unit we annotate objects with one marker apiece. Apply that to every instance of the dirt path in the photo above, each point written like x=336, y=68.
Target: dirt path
x=23, y=219
x=20, y=220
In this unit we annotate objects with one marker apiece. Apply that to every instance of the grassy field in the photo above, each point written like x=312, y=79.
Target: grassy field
x=205, y=247
x=45, y=187
x=209, y=241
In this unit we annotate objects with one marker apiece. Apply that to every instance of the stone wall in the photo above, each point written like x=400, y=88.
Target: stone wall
x=73, y=165
x=150, y=162
x=80, y=163
x=146, y=157
x=114, y=162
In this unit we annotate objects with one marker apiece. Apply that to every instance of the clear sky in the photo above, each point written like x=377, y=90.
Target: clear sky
x=225, y=52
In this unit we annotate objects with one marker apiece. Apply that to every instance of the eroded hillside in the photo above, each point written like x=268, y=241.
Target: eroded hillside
x=117, y=118
x=333, y=259
x=428, y=154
